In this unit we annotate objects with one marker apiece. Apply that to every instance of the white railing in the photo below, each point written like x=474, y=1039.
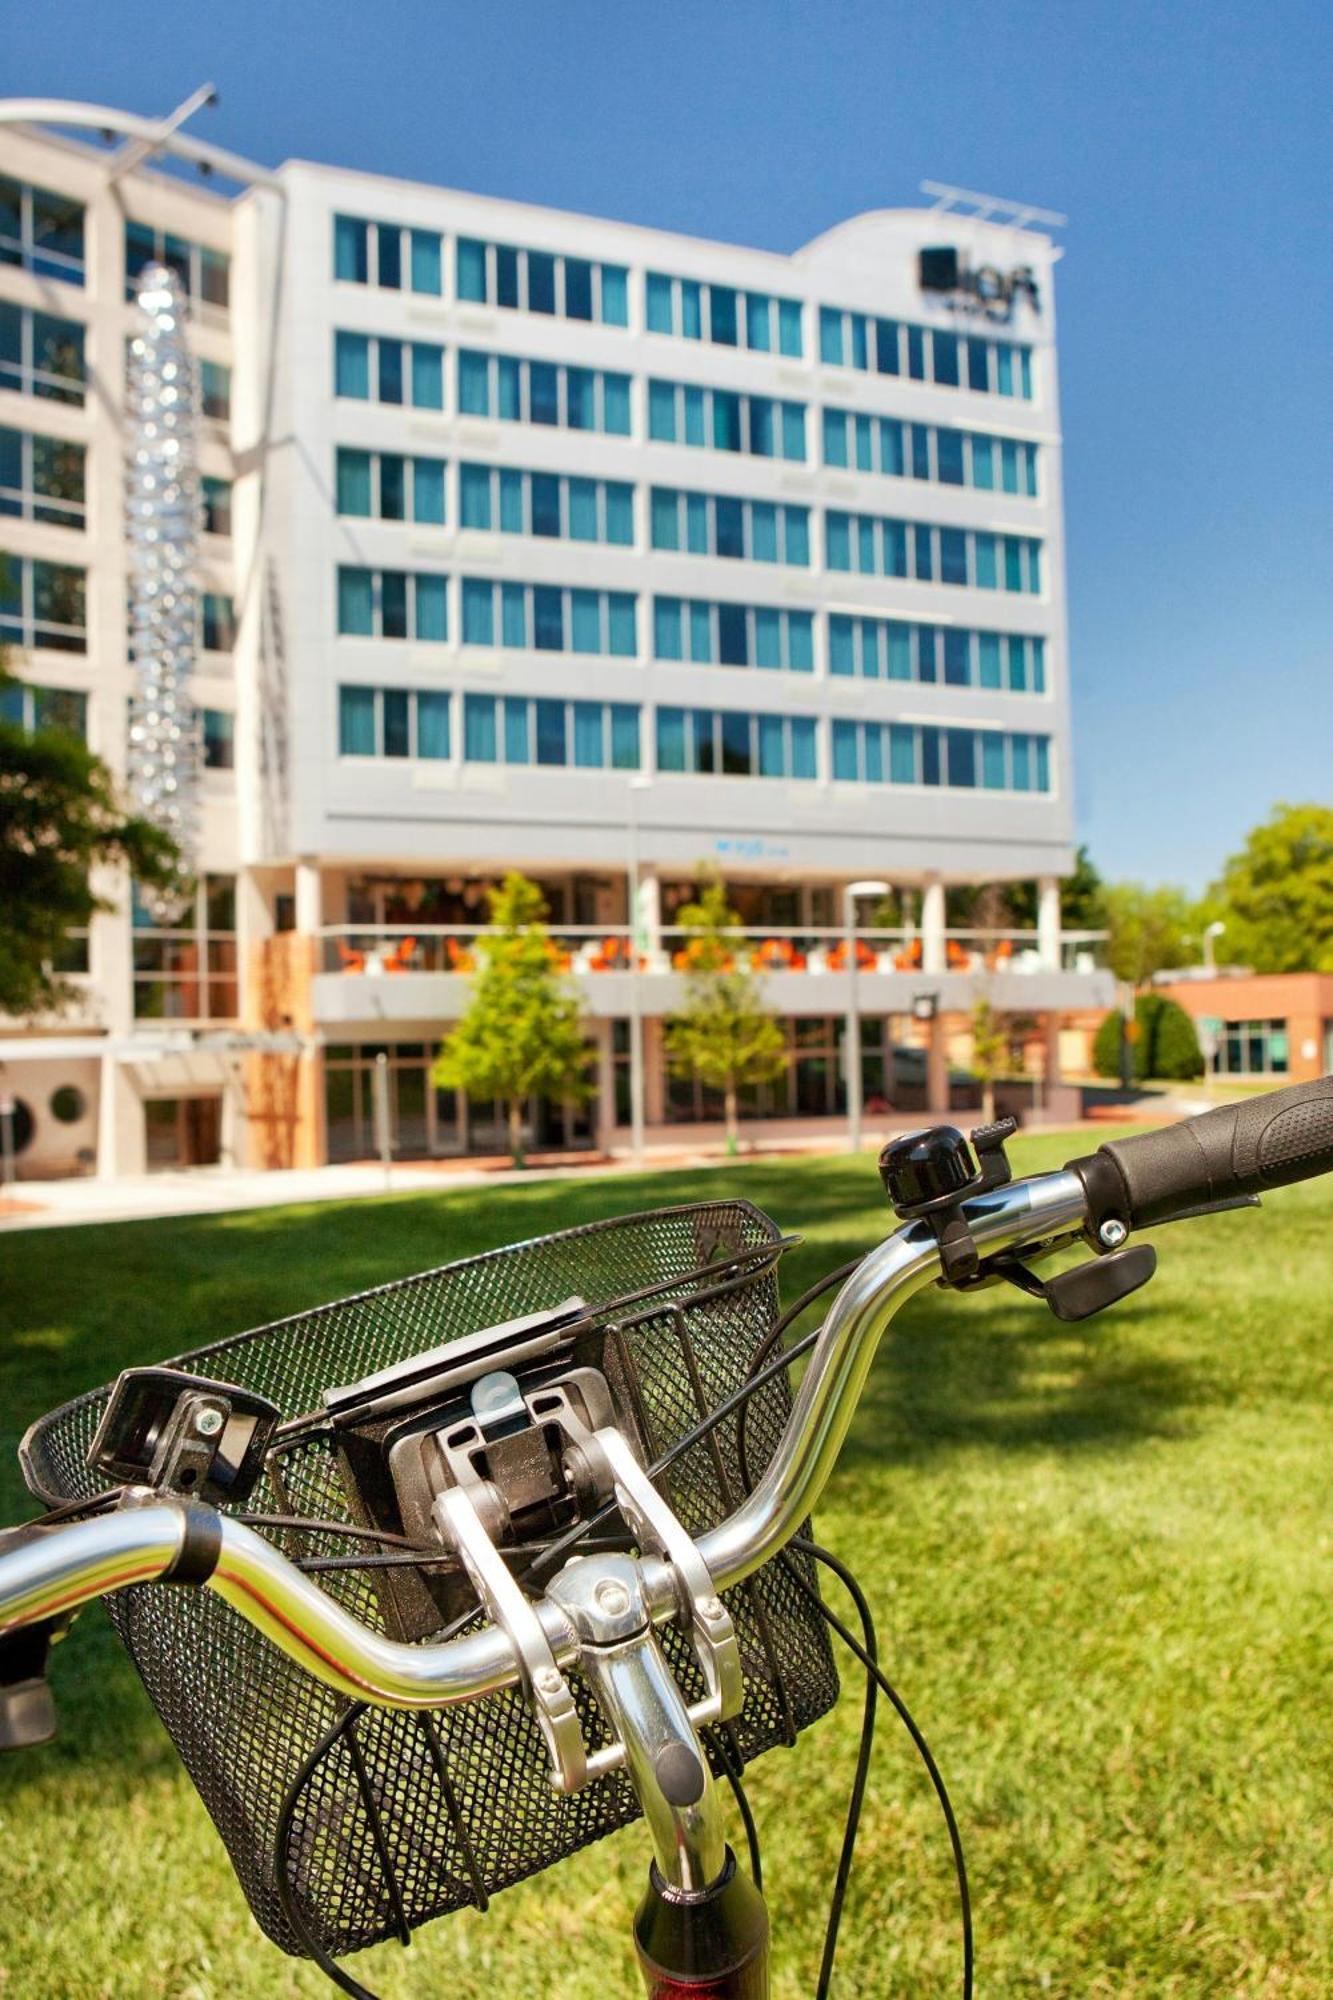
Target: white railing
x=589, y=949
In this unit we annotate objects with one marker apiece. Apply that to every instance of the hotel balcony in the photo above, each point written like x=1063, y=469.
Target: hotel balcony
x=371, y=976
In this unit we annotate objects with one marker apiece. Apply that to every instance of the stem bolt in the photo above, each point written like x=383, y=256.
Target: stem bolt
x=612, y=1597
x=209, y=1422
x=1112, y=1232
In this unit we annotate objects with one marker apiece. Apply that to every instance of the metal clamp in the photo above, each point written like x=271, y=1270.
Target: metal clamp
x=661, y=1534
x=462, y=1526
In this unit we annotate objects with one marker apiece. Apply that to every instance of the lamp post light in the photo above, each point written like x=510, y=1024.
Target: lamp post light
x=851, y=1040
x=637, y=784
x=1211, y=932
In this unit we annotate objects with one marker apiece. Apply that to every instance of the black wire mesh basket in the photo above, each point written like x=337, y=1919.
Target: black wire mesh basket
x=379, y=1820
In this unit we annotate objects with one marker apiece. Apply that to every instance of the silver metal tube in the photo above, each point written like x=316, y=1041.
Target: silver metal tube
x=826, y=1402
x=65, y=1567
x=135, y=1545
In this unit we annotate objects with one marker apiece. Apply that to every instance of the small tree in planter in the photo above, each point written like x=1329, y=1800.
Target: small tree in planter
x=723, y=1037
x=990, y=1054
x=520, y=1036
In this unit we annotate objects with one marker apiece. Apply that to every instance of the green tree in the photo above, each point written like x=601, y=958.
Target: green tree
x=60, y=817
x=521, y=1035
x=1151, y=930
x=1163, y=1042
x=723, y=1036
x=999, y=905
x=990, y=1054
x=1276, y=895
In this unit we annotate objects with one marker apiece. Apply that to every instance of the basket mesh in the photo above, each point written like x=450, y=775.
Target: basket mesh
x=405, y=1817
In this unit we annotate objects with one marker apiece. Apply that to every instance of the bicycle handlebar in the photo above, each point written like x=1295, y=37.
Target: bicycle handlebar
x=1280, y=1138
x=1237, y=1149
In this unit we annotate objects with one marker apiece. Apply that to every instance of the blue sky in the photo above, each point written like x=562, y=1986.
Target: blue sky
x=1187, y=143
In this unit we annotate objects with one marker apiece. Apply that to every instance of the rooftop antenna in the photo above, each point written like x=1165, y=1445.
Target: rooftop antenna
x=990, y=207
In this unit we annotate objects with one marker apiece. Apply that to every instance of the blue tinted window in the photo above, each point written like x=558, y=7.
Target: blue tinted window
x=733, y=644
x=798, y=536
x=389, y=256
x=427, y=376
x=478, y=612
x=624, y=737
x=886, y=346
x=992, y=761
x=722, y=315
x=432, y=724
x=983, y=464
x=585, y=622
x=615, y=295
x=902, y=754
x=432, y=608
x=474, y=496
x=835, y=437
x=516, y=722
x=729, y=518
x=550, y=732
x=671, y=739
x=763, y=531
x=800, y=641
x=428, y=491
x=588, y=733
x=356, y=722
x=514, y=627
x=544, y=488
x=846, y=760
x=353, y=482
x=758, y=322
x=946, y=357
x=837, y=540
x=665, y=517
x=356, y=602
x=989, y=656
x=953, y=555
x=726, y=420
x=512, y=517
x=543, y=393
x=619, y=514
x=479, y=745
x=474, y=393
x=767, y=638
x=957, y=657
x=351, y=256
x=793, y=430
x=426, y=271
x=548, y=618
x=789, y=327
x=803, y=752
x=623, y=639
x=949, y=456
x=691, y=309
x=961, y=756
x=662, y=412
x=506, y=275
x=830, y=335
x=541, y=282
x=615, y=404
x=659, y=303
x=841, y=645
x=391, y=371
x=578, y=288
x=900, y=652
x=668, y=643
x=772, y=747
x=351, y=365
x=471, y=265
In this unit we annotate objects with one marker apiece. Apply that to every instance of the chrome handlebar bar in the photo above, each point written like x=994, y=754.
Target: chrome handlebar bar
x=63, y=1567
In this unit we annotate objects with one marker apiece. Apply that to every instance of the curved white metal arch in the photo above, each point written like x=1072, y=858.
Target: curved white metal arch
x=155, y=135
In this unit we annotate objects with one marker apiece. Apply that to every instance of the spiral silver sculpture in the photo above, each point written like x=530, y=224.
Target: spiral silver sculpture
x=162, y=523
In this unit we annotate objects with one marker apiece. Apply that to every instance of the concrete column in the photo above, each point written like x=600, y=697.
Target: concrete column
x=1048, y=922
x=647, y=919
x=309, y=902
x=933, y=956
x=122, y=1140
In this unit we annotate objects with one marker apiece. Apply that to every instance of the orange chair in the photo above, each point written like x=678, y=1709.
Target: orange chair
x=352, y=961
x=909, y=959
x=400, y=958
x=460, y=960
x=866, y=958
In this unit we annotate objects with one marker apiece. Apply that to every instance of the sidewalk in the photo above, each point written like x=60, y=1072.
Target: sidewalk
x=219, y=1190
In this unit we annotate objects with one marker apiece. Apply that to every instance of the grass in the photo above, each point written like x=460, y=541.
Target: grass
x=1101, y=1559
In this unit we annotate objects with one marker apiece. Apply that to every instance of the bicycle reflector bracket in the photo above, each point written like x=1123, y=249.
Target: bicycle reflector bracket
x=929, y=1176
x=185, y=1434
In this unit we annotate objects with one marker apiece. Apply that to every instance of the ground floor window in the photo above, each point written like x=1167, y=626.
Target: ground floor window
x=424, y=1121
x=813, y=1085
x=1251, y=1048
x=183, y=1132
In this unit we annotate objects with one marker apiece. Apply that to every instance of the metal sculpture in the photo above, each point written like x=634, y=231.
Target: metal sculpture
x=162, y=525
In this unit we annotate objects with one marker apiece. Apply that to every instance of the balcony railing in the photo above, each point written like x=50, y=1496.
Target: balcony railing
x=386, y=950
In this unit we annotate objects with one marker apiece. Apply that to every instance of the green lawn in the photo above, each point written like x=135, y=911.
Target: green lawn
x=1102, y=1564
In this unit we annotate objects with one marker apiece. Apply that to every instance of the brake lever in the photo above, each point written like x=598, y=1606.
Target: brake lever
x=1209, y=1208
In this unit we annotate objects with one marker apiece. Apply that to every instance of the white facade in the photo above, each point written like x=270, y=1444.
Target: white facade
x=315, y=812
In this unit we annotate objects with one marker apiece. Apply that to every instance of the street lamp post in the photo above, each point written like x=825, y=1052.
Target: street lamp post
x=636, y=1119
x=1210, y=933
x=851, y=1040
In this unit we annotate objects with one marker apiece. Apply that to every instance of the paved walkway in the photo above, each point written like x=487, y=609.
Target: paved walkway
x=218, y=1190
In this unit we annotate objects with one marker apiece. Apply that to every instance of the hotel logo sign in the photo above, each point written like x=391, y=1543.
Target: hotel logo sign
x=987, y=291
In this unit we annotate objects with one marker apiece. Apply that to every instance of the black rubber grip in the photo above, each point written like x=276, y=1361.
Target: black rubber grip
x=1264, y=1142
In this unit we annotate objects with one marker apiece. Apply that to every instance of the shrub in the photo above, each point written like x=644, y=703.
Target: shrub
x=1164, y=1043
x=1176, y=1051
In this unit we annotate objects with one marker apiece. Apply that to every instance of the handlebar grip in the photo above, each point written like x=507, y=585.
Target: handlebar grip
x=1238, y=1149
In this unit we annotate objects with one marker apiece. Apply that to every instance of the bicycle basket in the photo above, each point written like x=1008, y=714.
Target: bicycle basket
x=403, y=1817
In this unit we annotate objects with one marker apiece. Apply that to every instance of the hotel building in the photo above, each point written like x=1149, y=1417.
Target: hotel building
x=540, y=542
